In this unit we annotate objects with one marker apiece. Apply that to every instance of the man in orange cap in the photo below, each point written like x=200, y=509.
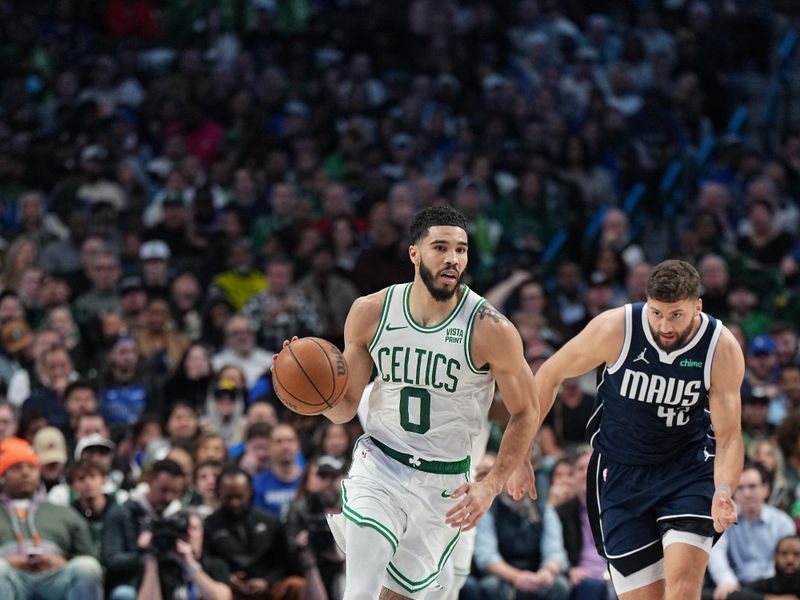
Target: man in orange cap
x=45, y=550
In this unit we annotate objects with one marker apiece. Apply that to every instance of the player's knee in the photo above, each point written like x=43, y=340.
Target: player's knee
x=683, y=587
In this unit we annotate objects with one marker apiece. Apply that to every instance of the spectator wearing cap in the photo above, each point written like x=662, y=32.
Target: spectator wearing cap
x=225, y=411
x=132, y=300
x=319, y=494
x=744, y=553
x=241, y=351
x=154, y=258
x=104, y=273
x=47, y=550
x=51, y=448
x=755, y=415
x=761, y=366
x=17, y=342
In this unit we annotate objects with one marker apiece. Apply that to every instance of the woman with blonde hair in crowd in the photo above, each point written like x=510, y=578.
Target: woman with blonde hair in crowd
x=21, y=255
x=766, y=452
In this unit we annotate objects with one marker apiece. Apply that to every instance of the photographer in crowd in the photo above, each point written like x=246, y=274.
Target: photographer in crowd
x=263, y=563
x=203, y=577
x=128, y=530
x=320, y=494
x=45, y=549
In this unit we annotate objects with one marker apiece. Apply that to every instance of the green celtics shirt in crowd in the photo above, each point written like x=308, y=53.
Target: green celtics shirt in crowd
x=429, y=400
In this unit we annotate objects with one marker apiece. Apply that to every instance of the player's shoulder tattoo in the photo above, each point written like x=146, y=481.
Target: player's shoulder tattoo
x=487, y=311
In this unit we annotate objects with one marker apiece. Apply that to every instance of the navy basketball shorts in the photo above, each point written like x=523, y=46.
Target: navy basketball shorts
x=631, y=507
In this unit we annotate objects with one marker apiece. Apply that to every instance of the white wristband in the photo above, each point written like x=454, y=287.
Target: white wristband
x=724, y=487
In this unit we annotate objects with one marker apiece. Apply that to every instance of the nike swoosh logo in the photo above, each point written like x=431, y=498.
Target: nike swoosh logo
x=390, y=328
x=446, y=494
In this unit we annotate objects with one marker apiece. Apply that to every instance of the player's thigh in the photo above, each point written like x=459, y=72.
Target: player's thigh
x=428, y=542
x=620, y=505
x=653, y=591
x=685, y=559
x=372, y=496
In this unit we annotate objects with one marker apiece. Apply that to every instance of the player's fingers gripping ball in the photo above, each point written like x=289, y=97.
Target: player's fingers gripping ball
x=310, y=375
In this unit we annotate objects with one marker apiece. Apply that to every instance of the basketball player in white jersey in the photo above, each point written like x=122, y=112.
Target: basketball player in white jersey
x=456, y=570
x=439, y=349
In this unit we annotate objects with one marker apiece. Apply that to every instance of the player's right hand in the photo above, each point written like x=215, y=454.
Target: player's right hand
x=723, y=511
x=521, y=482
x=285, y=343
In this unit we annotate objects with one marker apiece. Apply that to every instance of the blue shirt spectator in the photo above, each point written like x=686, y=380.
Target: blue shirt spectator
x=745, y=552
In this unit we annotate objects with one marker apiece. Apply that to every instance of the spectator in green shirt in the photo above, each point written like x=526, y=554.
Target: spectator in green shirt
x=45, y=550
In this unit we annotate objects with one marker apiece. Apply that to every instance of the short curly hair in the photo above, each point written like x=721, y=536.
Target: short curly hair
x=435, y=216
x=673, y=281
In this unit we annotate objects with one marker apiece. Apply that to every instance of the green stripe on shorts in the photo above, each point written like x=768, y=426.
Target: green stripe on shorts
x=352, y=515
x=415, y=586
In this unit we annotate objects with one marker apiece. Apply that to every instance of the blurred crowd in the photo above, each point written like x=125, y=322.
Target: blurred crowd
x=185, y=184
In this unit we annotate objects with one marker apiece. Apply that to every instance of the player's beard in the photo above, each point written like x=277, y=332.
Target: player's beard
x=438, y=294
x=680, y=340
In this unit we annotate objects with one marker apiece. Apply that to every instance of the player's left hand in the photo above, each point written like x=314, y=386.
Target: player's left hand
x=285, y=343
x=723, y=511
x=478, y=497
x=521, y=482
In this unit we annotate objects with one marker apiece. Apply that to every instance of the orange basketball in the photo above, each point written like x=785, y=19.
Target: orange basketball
x=310, y=375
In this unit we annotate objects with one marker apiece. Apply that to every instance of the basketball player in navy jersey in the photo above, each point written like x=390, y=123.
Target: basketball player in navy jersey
x=665, y=432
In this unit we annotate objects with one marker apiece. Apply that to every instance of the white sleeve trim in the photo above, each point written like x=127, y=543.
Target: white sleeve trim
x=626, y=344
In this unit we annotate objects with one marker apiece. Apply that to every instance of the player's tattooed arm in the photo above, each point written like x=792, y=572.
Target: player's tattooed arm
x=487, y=311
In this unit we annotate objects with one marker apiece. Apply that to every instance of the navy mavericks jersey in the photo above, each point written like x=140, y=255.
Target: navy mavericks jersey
x=652, y=404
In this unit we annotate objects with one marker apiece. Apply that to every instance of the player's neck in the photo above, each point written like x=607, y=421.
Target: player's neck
x=425, y=309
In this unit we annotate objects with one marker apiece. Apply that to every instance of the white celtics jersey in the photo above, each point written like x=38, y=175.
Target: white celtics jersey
x=429, y=400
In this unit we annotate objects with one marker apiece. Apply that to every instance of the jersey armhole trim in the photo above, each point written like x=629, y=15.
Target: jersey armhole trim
x=387, y=301
x=626, y=344
x=712, y=346
x=468, y=340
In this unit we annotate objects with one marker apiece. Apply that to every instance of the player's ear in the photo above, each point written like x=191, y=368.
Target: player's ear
x=413, y=254
x=699, y=305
